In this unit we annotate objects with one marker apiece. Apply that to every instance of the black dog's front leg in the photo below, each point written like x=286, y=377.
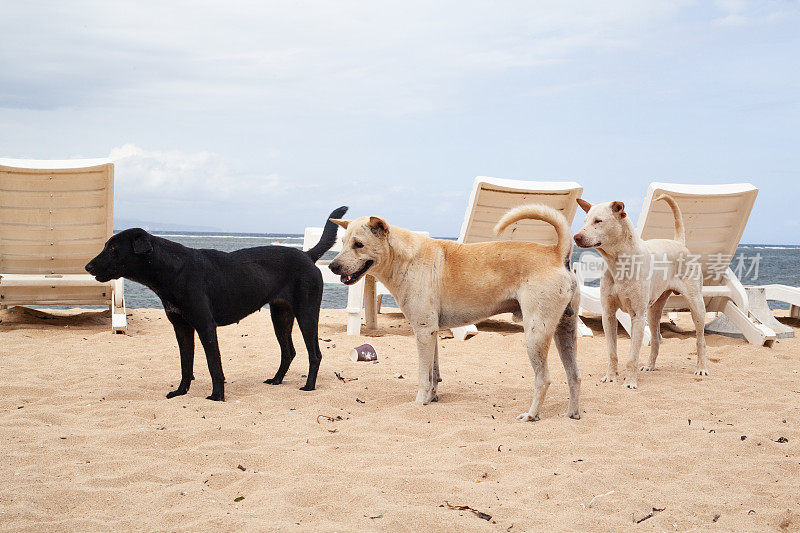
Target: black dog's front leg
x=185, y=335
x=208, y=337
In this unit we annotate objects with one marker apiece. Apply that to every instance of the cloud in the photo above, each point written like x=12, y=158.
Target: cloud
x=740, y=13
x=180, y=176
x=392, y=58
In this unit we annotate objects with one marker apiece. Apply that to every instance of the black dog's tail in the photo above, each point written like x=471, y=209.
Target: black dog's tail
x=328, y=235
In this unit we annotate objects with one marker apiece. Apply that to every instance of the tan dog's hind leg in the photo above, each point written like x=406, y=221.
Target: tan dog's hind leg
x=610, y=329
x=654, y=321
x=694, y=298
x=537, y=341
x=566, y=338
x=637, y=336
x=427, y=387
x=437, y=376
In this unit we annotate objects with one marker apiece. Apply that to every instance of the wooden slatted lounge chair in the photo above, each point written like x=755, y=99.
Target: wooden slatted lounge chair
x=55, y=216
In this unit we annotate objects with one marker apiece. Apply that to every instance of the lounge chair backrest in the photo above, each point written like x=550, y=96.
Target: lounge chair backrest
x=715, y=217
x=54, y=215
x=492, y=197
x=311, y=237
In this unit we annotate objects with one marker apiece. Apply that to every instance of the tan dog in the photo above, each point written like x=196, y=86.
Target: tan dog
x=441, y=284
x=640, y=275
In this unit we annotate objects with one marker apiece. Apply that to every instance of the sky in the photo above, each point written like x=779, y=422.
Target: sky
x=264, y=116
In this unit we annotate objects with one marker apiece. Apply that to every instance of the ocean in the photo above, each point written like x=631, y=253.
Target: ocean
x=759, y=264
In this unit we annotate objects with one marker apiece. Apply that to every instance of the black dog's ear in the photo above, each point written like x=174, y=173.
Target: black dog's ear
x=142, y=244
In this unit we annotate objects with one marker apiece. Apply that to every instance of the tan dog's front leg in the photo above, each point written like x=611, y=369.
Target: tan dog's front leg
x=637, y=336
x=427, y=387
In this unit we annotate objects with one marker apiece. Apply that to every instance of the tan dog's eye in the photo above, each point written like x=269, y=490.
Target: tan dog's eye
x=597, y=221
x=357, y=244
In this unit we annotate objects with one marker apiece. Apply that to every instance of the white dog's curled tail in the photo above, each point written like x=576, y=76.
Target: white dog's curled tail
x=680, y=231
x=545, y=214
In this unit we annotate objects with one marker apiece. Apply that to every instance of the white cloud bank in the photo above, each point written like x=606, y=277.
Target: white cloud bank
x=175, y=175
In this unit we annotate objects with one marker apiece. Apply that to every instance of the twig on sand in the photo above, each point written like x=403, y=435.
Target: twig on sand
x=342, y=378
x=329, y=418
x=609, y=493
x=652, y=513
x=479, y=514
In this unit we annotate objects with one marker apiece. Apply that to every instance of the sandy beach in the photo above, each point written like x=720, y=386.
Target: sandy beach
x=91, y=443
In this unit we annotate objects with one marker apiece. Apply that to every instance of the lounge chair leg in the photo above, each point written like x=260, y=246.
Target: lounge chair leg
x=794, y=312
x=464, y=331
x=355, y=300
x=370, y=303
x=757, y=334
x=119, y=318
x=584, y=330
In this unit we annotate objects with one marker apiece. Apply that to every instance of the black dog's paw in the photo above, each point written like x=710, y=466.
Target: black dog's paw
x=307, y=387
x=273, y=381
x=217, y=397
x=177, y=392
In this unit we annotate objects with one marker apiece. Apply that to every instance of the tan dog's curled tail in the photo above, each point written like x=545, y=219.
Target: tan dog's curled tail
x=680, y=231
x=545, y=214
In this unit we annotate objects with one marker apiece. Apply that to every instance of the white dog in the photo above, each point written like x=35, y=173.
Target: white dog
x=639, y=277
x=441, y=284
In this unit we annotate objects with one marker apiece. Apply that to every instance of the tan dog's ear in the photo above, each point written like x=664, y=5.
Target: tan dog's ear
x=378, y=226
x=340, y=222
x=584, y=204
x=619, y=209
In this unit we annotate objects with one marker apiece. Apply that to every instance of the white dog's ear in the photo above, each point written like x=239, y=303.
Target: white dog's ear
x=619, y=209
x=378, y=226
x=584, y=204
x=340, y=222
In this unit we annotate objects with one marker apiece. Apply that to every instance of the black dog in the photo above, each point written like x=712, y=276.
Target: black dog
x=203, y=289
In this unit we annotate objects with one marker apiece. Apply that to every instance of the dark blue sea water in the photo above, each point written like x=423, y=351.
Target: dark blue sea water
x=775, y=264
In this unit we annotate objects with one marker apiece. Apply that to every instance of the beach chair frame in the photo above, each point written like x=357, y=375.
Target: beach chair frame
x=55, y=216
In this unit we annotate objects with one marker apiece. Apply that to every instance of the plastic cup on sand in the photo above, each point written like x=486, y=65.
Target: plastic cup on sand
x=365, y=352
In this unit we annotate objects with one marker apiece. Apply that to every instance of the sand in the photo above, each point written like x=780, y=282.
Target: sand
x=90, y=442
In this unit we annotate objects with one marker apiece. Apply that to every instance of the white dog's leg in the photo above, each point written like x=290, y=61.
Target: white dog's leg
x=654, y=321
x=537, y=342
x=694, y=298
x=637, y=336
x=427, y=385
x=610, y=330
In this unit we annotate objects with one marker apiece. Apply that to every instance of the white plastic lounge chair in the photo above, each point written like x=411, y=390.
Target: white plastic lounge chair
x=715, y=217
x=55, y=216
x=787, y=294
x=367, y=293
x=492, y=197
